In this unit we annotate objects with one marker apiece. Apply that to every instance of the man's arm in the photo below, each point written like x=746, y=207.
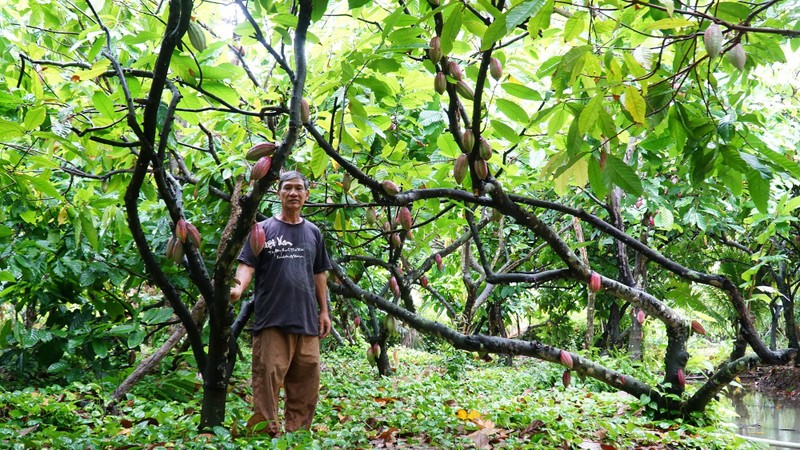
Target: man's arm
x=244, y=274
x=321, y=288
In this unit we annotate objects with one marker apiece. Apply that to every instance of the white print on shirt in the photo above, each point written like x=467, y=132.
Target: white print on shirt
x=283, y=249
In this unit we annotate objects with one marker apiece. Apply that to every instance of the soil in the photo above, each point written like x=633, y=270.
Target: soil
x=783, y=381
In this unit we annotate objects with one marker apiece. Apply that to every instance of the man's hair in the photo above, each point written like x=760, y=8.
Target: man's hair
x=291, y=175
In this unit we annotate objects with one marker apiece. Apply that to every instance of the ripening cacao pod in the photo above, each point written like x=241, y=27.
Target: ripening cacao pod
x=180, y=230
x=484, y=149
x=460, y=168
x=640, y=316
x=394, y=286
x=698, y=328
x=566, y=378
x=390, y=188
x=376, y=349
x=439, y=265
x=193, y=234
x=305, y=111
x=347, y=179
x=258, y=151
x=404, y=218
x=258, y=238
x=177, y=253
x=737, y=56
x=495, y=68
x=423, y=280
x=594, y=282
x=712, y=38
x=454, y=70
x=465, y=90
x=357, y=321
x=372, y=215
x=395, y=240
x=566, y=359
x=681, y=378
x=481, y=169
x=435, y=50
x=440, y=83
x=468, y=140
x=260, y=168
x=196, y=36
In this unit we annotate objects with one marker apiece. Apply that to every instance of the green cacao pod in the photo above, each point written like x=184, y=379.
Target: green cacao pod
x=196, y=36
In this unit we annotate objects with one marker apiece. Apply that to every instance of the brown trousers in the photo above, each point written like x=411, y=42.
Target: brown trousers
x=291, y=361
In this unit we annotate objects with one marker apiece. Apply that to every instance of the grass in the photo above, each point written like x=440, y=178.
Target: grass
x=434, y=400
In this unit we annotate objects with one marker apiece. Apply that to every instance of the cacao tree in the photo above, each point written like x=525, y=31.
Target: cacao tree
x=452, y=146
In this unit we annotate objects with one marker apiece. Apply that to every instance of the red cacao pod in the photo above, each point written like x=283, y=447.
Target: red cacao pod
x=193, y=234
x=595, y=282
x=404, y=218
x=681, y=378
x=260, y=168
x=566, y=359
x=460, y=168
x=390, y=188
x=357, y=321
x=435, y=50
x=481, y=169
x=439, y=264
x=423, y=280
x=468, y=140
x=171, y=243
x=258, y=238
x=566, y=378
x=484, y=149
x=495, y=68
x=180, y=230
x=394, y=286
x=697, y=327
x=258, y=151
x=640, y=316
x=440, y=83
x=454, y=70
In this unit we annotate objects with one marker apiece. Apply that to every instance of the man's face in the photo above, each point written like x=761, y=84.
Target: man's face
x=293, y=194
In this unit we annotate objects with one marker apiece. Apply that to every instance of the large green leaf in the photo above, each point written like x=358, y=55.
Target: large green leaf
x=623, y=175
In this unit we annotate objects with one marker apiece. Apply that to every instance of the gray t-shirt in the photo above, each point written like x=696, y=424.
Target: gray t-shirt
x=284, y=290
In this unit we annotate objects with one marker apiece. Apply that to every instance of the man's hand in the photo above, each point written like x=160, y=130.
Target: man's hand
x=324, y=325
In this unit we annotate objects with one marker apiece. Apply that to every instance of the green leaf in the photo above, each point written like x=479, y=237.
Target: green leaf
x=319, y=161
x=501, y=130
x=34, y=118
x=781, y=161
x=521, y=91
x=520, y=13
x=89, y=230
x=635, y=104
x=157, y=315
x=759, y=190
x=623, y=175
x=668, y=24
x=596, y=179
x=664, y=219
x=103, y=104
x=495, y=32
x=450, y=31
x=318, y=8
x=136, y=338
x=512, y=110
x=5, y=275
x=10, y=130
x=590, y=114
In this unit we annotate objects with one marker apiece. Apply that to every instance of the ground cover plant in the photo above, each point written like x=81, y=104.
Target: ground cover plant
x=433, y=400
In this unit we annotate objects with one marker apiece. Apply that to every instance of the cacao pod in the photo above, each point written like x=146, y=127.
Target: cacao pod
x=171, y=243
x=737, y=56
x=484, y=149
x=435, y=50
x=465, y=90
x=595, y=283
x=481, y=169
x=495, y=68
x=357, y=321
x=180, y=230
x=697, y=327
x=196, y=36
x=681, y=378
x=454, y=70
x=346, y=181
x=404, y=218
x=640, y=316
x=390, y=323
x=258, y=151
x=566, y=378
x=177, y=253
x=566, y=359
x=439, y=265
x=394, y=286
x=386, y=227
x=372, y=215
x=390, y=188
x=712, y=38
x=395, y=240
x=258, y=238
x=193, y=234
x=376, y=349
x=371, y=356
x=260, y=168
x=423, y=280
x=440, y=83
x=305, y=111
x=468, y=140
x=460, y=168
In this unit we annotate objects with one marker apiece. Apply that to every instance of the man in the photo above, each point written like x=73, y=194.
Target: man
x=291, y=310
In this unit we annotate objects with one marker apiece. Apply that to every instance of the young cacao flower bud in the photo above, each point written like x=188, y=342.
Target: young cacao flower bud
x=258, y=151
x=566, y=359
x=390, y=188
x=681, y=378
x=440, y=83
x=305, y=111
x=468, y=140
x=495, y=68
x=566, y=378
x=481, y=169
x=595, y=283
x=260, y=168
x=454, y=70
x=435, y=50
x=737, y=56
x=404, y=218
x=698, y=328
x=484, y=149
x=465, y=90
x=258, y=238
x=193, y=234
x=439, y=265
x=460, y=168
x=712, y=38
x=180, y=230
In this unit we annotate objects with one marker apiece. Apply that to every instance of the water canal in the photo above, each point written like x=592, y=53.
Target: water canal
x=768, y=416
